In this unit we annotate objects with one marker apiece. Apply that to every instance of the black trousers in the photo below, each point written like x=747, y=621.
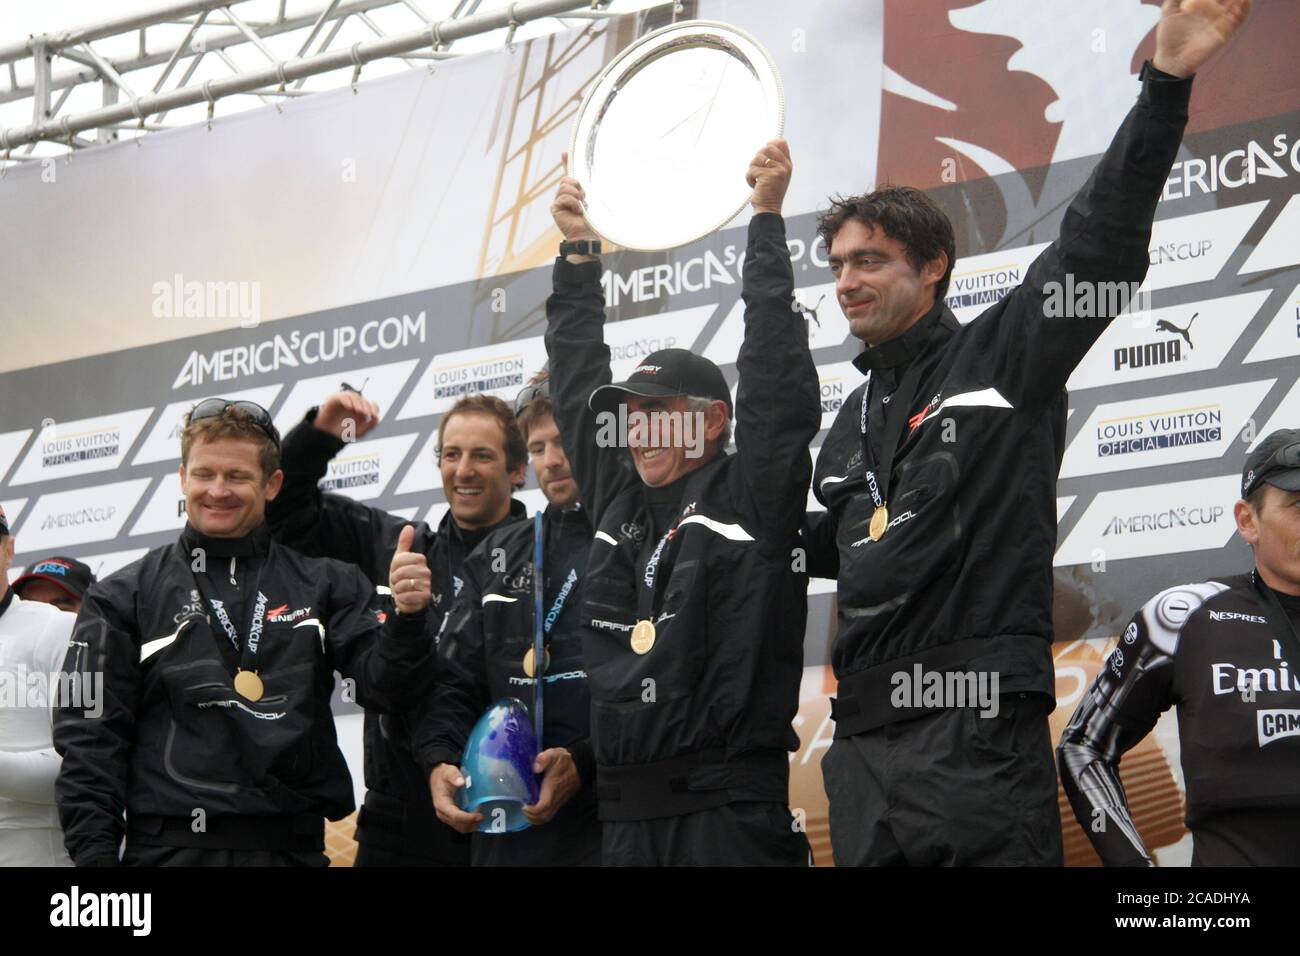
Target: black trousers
x=370, y=855
x=572, y=838
x=201, y=856
x=393, y=833
x=950, y=788
x=735, y=834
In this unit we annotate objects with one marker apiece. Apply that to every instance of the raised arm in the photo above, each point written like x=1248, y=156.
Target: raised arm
x=777, y=411
x=579, y=360
x=325, y=525
x=1073, y=290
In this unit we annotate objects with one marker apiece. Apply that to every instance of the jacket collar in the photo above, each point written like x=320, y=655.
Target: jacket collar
x=255, y=543
x=900, y=350
x=574, y=516
x=470, y=537
x=675, y=492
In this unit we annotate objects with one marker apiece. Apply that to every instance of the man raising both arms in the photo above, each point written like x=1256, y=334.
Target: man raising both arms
x=693, y=615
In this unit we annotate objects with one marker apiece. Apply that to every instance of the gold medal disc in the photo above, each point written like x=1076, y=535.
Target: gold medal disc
x=879, y=522
x=529, y=658
x=249, y=685
x=643, y=637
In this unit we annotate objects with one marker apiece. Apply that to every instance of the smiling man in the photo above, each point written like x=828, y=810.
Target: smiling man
x=939, y=478
x=218, y=655
x=481, y=460
x=695, y=605
x=486, y=653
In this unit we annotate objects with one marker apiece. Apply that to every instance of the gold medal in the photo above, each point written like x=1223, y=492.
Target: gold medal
x=643, y=637
x=249, y=685
x=879, y=522
x=529, y=658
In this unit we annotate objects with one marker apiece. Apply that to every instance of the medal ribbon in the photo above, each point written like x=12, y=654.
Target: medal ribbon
x=878, y=474
x=647, y=590
x=557, y=608
x=246, y=649
x=539, y=625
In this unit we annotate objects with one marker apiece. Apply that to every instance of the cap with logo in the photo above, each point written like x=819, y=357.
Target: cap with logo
x=1275, y=460
x=665, y=373
x=72, y=575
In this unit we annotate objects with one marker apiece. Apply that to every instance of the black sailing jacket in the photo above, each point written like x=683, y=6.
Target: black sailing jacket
x=174, y=735
x=962, y=578
x=711, y=703
x=481, y=660
x=332, y=525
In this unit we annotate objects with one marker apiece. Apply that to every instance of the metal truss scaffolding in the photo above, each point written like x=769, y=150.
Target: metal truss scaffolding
x=212, y=28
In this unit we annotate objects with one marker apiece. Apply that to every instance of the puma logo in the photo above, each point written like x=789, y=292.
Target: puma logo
x=1164, y=325
x=810, y=312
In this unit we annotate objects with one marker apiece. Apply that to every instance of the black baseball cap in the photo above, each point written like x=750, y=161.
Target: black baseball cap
x=666, y=373
x=72, y=575
x=1275, y=460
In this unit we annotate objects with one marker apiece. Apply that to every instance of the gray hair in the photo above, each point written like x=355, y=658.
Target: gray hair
x=698, y=405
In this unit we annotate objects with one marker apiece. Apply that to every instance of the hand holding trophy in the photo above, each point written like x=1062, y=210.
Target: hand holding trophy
x=663, y=132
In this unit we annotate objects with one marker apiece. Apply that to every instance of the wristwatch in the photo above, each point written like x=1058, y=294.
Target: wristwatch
x=583, y=247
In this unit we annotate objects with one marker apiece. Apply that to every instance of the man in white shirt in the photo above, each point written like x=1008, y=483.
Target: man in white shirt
x=33, y=641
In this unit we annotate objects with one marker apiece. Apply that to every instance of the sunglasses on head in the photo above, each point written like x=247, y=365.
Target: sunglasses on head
x=259, y=416
x=530, y=393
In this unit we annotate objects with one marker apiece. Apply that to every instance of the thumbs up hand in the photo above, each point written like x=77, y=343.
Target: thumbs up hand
x=409, y=576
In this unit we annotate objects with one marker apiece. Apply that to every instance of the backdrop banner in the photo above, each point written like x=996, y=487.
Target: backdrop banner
x=398, y=239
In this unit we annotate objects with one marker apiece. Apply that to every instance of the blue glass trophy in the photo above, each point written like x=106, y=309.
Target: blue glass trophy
x=498, y=768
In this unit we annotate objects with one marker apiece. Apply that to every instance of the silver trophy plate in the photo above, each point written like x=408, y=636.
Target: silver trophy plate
x=665, y=134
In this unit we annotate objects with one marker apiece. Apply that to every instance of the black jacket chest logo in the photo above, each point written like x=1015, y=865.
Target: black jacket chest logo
x=195, y=606
x=522, y=581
